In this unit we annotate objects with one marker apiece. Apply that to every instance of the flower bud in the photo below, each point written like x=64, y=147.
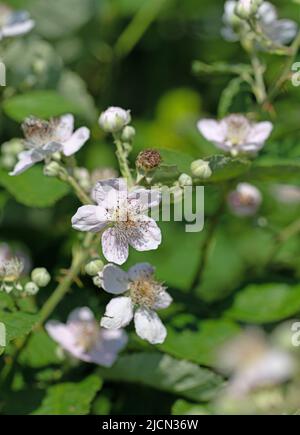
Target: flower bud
x=245, y=200
x=40, y=276
x=94, y=267
x=114, y=119
x=247, y=8
x=148, y=159
x=13, y=147
x=200, y=168
x=185, y=180
x=8, y=161
x=52, y=169
x=176, y=194
x=128, y=133
x=97, y=281
x=31, y=288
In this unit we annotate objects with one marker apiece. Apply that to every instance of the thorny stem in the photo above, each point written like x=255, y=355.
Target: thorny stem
x=259, y=87
x=123, y=162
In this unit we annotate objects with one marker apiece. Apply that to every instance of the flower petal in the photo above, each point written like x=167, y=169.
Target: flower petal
x=114, y=246
x=112, y=342
x=65, y=128
x=89, y=218
x=260, y=132
x=212, y=130
x=114, y=279
x=147, y=235
x=140, y=270
x=149, y=327
x=76, y=141
x=60, y=333
x=26, y=160
x=282, y=31
x=144, y=199
x=107, y=191
x=16, y=28
x=163, y=301
x=82, y=314
x=118, y=313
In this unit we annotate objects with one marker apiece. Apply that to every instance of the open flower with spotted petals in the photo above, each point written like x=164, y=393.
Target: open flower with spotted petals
x=14, y=23
x=44, y=138
x=141, y=296
x=235, y=134
x=83, y=338
x=121, y=216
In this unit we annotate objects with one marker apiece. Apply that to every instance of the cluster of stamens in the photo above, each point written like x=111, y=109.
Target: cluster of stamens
x=144, y=292
x=87, y=334
x=237, y=129
x=38, y=132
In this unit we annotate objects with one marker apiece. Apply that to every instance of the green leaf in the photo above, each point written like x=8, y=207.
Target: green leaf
x=200, y=346
x=70, y=398
x=176, y=158
x=33, y=189
x=165, y=373
x=182, y=407
x=40, y=351
x=265, y=303
x=18, y=324
x=228, y=95
x=42, y=104
x=226, y=168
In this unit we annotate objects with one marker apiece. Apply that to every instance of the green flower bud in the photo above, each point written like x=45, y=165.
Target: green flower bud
x=185, y=180
x=94, y=267
x=114, y=119
x=97, y=281
x=200, y=168
x=13, y=147
x=40, y=276
x=128, y=133
x=8, y=161
x=31, y=288
x=52, y=169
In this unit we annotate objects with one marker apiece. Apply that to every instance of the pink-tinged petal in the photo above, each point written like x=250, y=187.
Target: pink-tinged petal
x=16, y=29
x=114, y=279
x=114, y=246
x=149, y=327
x=89, y=218
x=260, y=132
x=111, y=343
x=147, y=236
x=82, y=314
x=65, y=128
x=109, y=191
x=140, y=270
x=163, y=301
x=212, y=130
x=118, y=313
x=26, y=160
x=76, y=141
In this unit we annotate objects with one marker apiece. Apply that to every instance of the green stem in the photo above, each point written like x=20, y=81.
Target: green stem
x=138, y=26
x=284, y=76
x=259, y=87
x=123, y=162
x=82, y=196
x=78, y=261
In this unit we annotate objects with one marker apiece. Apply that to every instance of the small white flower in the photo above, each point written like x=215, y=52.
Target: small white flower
x=245, y=200
x=114, y=119
x=247, y=8
x=279, y=31
x=142, y=297
x=236, y=134
x=44, y=138
x=121, y=214
x=287, y=194
x=14, y=23
x=254, y=362
x=82, y=337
